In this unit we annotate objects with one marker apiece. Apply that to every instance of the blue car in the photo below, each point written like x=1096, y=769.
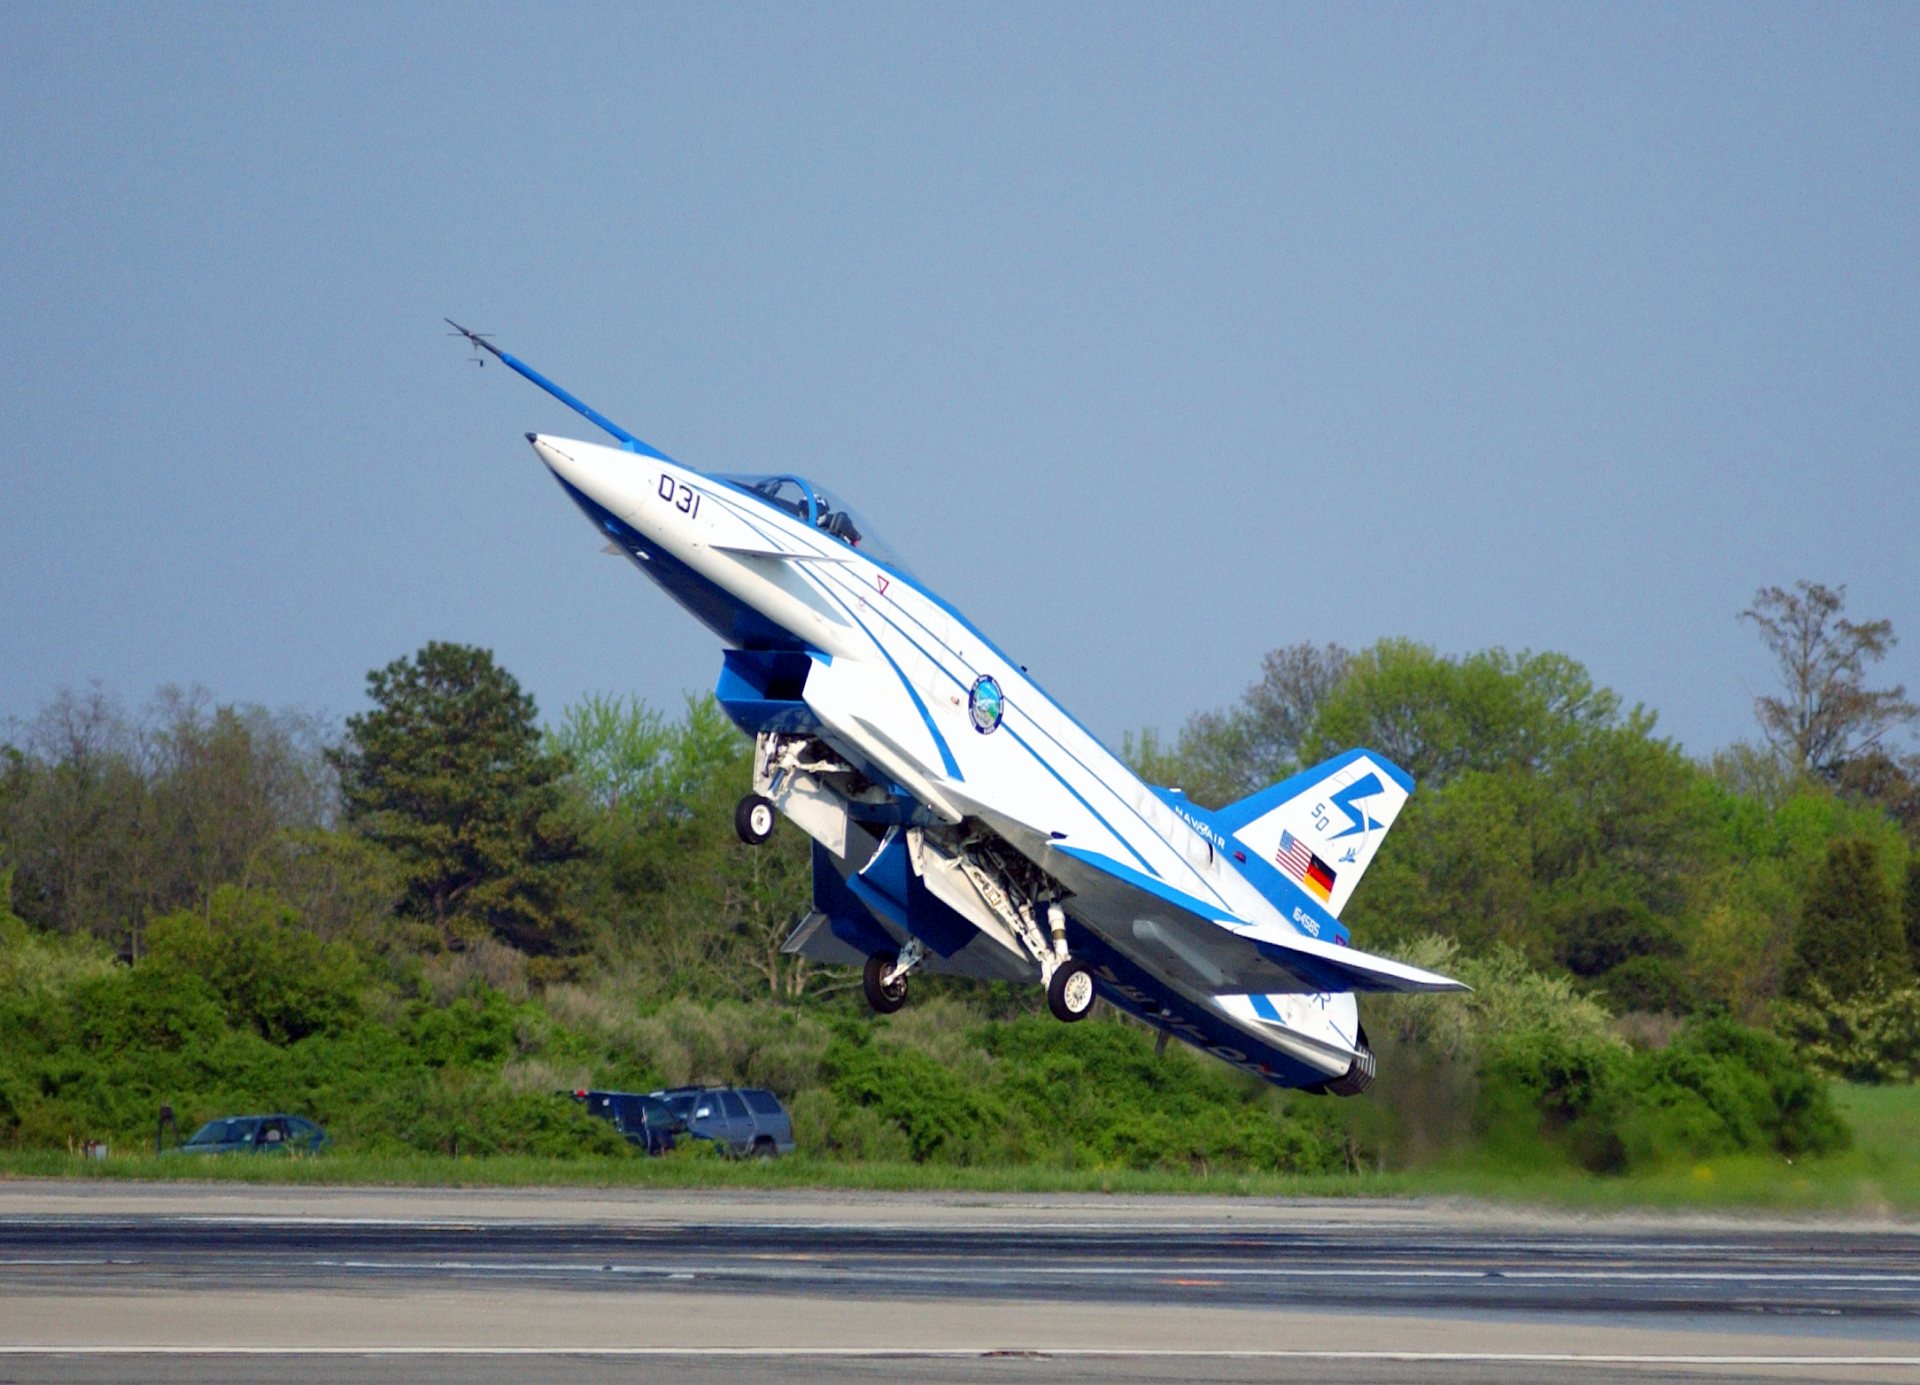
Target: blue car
x=644, y=1121
x=739, y=1120
x=274, y=1134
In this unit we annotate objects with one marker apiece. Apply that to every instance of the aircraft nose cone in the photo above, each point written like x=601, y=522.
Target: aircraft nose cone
x=599, y=475
x=572, y=464
x=557, y=461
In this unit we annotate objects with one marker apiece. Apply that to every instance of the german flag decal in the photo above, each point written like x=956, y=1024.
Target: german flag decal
x=1314, y=875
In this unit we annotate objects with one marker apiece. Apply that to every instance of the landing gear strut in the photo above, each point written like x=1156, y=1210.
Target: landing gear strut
x=753, y=819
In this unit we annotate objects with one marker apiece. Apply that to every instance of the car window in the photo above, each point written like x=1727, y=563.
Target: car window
x=658, y=1114
x=224, y=1132
x=730, y=1103
x=273, y=1132
x=762, y=1103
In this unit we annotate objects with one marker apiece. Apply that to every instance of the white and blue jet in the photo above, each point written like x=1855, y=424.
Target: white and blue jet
x=962, y=822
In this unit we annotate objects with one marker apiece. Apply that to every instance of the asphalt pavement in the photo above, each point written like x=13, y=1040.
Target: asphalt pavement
x=115, y=1282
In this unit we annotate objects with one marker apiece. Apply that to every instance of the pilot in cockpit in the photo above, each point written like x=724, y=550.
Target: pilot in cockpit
x=840, y=524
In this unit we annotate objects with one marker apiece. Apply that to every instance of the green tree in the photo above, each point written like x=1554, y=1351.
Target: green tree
x=227, y=782
x=111, y=818
x=1850, y=939
x=1227, y=755
x=448, y=773
x=78, y=821
x=617, y=750
x=1912, y=911
x=1545, y=809
x=1824, y=714
x=272, y=976
x=705, y=913
x=1438, y=717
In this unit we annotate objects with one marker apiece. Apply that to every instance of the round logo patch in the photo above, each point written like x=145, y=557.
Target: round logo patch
x=985, y=704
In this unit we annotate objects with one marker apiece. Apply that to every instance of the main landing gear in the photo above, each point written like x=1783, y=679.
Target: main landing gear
x=1070, y=991
x=753, y=819
x=885, y=978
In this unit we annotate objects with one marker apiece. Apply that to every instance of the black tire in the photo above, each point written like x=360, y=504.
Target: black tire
x=883, y=998
x=1359, y=1076
x=753, y=819
x=763, y=1148
x=1071, y=993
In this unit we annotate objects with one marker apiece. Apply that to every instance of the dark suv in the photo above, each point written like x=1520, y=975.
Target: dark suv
x=740, y=1120
x=645, y=1121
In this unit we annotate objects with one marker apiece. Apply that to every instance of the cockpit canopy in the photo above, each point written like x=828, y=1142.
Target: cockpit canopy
x=822, y=509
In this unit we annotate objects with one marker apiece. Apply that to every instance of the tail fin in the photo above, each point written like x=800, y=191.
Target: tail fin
x=1322, y=827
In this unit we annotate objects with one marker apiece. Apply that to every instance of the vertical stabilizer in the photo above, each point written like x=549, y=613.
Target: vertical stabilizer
x=1322, y=827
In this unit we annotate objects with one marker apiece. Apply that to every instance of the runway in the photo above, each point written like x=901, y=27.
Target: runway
x=101, y=1282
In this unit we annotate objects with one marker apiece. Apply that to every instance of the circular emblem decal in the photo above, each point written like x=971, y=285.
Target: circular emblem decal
x=985, y=704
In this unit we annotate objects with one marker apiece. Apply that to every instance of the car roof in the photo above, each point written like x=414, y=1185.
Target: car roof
x=609, y=1091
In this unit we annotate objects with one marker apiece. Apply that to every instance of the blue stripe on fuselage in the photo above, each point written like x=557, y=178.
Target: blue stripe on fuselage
x=732, y=619
x=1021, y=741
x=1144, y=996
x=951, y=765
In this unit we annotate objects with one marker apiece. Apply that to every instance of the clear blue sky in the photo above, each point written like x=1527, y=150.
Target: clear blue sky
x=1156, y=336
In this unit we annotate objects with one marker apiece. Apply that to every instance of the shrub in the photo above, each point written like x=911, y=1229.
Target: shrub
x=269, y=974
x=1725, y=1088
x=1651, y=985
x=1870, y=1037
x=942, y=1119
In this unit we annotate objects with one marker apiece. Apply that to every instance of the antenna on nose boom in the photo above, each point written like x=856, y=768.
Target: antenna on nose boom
x=480, y=343
x=479, y=340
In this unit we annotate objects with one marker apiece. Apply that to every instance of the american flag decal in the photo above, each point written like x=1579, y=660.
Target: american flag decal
x=1297, y=862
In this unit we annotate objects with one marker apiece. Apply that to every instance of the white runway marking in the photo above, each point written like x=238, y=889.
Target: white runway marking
x=1161, y=1269
x=966, y=1353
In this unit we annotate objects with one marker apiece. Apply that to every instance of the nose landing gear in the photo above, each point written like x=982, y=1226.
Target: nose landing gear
x=753, y=819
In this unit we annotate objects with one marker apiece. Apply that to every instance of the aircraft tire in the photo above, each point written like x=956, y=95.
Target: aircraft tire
x=884, y=999
x=1358, y=1077
x=1071, y=993
x=753, y=819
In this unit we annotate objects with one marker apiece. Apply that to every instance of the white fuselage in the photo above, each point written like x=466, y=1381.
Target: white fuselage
x=894, y=686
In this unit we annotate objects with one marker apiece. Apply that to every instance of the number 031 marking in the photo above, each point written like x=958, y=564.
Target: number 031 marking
x=680, y=495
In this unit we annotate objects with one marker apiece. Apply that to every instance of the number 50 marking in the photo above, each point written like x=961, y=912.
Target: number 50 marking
x=680, y=495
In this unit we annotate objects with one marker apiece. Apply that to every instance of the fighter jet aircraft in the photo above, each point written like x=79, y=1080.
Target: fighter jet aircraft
x=964, y=823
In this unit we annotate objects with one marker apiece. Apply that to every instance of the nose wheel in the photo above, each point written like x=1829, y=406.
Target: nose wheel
x=1070, y=994
x=753, y=819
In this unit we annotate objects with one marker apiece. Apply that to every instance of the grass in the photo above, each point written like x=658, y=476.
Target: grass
x=1880, y=1175
x=520, y=1171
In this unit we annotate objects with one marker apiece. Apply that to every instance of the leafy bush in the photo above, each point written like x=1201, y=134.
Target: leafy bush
x=1654, y=985
x=732, y=1044
x=1870, y=1037
x=942, y=1119
x=1719, y=1088
x=268, y=974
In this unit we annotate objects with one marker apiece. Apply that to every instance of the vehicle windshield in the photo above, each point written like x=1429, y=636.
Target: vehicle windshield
x=225, y=1132
x=680, y=1104
x=822, y=509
